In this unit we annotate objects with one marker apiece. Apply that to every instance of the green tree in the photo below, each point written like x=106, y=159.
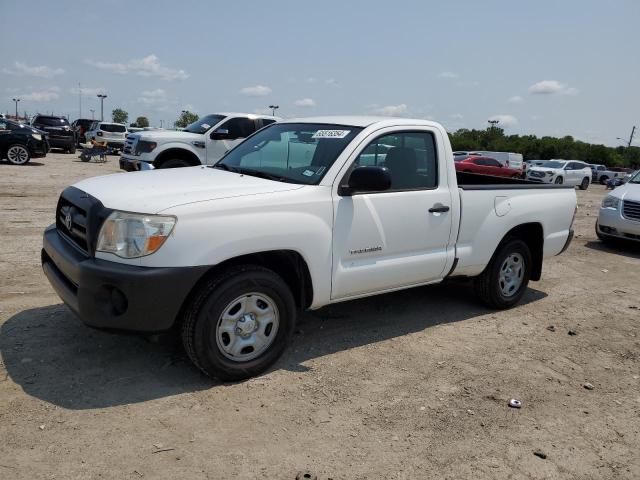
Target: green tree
x=185, y=119
x=119, y=116
x=142, y=122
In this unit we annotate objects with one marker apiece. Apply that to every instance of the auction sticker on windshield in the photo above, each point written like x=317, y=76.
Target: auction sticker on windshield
x=331, y=134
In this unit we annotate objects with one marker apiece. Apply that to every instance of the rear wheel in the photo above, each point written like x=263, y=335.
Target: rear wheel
x=71, y=149
x=585, y=183
x=174, y=163
x=603, y=180
x=505, y=279
x=559, y=181
x=18, y=154
x=239, y=323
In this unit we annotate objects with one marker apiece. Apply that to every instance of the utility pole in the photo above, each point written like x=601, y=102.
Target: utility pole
x=92, y=112
x=273, y=109
x=161, y=121
x=633, y=131
x=101, y=96
x=80, y=99
x=493, y=123
x=16, y=100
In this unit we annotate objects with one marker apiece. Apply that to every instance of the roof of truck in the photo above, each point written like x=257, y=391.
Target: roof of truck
x=359, y=121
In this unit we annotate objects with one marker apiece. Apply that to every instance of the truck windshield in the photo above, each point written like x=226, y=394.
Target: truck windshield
x=635, y=178
x=204, y=124
x=290, y=152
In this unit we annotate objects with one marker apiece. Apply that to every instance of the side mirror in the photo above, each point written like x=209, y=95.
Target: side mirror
x=220, y=134
x=366, y=179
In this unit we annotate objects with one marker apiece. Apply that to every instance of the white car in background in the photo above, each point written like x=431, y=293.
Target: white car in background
x=112, y=133
x=620, y=212
x=561, y=172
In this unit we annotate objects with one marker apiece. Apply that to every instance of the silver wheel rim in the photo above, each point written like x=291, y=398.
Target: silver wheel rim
x=511, y=274
x=247, y=327
x=17, y=155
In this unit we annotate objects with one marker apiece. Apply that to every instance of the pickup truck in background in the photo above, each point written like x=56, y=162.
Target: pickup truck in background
x=302, y=214
x=601, y=174
x=203, y=142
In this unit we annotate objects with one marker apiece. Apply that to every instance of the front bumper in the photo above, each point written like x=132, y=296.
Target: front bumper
x=612, y=224
x=61, y=142
x=38, y=149
x=114, y=295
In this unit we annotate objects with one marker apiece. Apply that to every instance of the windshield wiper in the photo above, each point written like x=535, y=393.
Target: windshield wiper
x=224, y=166
x=261, y=174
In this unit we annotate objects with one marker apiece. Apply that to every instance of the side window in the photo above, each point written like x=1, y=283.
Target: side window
x=480, y=161
x=493, y=162
x=409, y=156
x=266, y=121
x=239, y=127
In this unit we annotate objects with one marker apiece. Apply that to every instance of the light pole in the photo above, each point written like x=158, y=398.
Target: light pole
x=92, y=112
x=273, y=109
x=102, y=96
x=16, y=100
x=633, y=132
x=493, y=123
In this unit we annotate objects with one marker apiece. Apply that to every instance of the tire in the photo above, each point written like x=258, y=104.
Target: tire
x=174, y=163
x=585, y=183
x=603, y=180
x=71, y=149
x=559, y=181
x=211, y=346
x=490, y=285
x=18, y=154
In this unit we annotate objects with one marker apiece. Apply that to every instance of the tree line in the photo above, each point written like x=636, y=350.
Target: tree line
x=544, y=148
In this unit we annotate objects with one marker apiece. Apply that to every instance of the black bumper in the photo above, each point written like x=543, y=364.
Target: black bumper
x=62, y=142
x=129, y=165
x=113, y=295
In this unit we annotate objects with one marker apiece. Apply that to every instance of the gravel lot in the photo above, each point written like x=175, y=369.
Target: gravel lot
x=413, y=384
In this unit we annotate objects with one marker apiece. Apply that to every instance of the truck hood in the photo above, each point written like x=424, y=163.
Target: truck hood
x=156, y=190
x=628, y=191
x=166, y=135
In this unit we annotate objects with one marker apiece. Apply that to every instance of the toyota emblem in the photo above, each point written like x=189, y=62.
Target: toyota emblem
x=68, y=222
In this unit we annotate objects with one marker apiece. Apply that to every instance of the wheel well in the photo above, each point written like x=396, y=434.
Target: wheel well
x=179, y=153
x=531, y=234
x=288, y=264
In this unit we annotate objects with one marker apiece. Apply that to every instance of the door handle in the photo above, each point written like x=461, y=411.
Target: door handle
x=439, y=208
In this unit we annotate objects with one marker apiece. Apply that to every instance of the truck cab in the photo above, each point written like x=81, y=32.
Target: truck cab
x=203, y=142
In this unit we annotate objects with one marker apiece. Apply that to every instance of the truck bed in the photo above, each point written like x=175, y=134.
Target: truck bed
x=476, y=181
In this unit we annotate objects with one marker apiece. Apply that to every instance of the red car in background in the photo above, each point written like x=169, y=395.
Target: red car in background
x=486, y=166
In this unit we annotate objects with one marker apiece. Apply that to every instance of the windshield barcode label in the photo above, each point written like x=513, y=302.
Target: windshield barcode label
x=331, y=134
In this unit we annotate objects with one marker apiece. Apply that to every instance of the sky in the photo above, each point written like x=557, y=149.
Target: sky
x=555, y=68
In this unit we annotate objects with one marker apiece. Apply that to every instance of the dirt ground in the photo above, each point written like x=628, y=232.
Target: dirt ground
x=408, y=385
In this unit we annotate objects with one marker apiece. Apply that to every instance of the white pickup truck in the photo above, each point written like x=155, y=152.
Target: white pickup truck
x=302, y=214
x=203, y=142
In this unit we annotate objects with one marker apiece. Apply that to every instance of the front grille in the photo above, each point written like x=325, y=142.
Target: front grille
x=79, y=217
x=631, y=209
x=71, y=220
x=129, y=145
x=536, y=174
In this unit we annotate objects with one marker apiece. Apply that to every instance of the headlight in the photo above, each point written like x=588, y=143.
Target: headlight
x=37, y=136
x=132, y=235
x=145, y=146
x=549, y=173
x=610, y=202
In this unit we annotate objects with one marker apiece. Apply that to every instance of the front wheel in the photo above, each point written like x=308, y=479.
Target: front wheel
x=503, y=282
x=18, y=154
x=239, y=323
x=585, y=184
x=603, y=180
x=71, y=149
x=559, y=181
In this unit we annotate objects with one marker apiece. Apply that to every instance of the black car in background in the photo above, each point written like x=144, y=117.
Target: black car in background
x=60, y=134
x=20, y=143
x=80, y=126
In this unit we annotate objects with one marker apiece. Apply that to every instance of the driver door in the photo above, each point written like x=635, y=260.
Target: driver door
x=218, y=143
x=394, y=238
